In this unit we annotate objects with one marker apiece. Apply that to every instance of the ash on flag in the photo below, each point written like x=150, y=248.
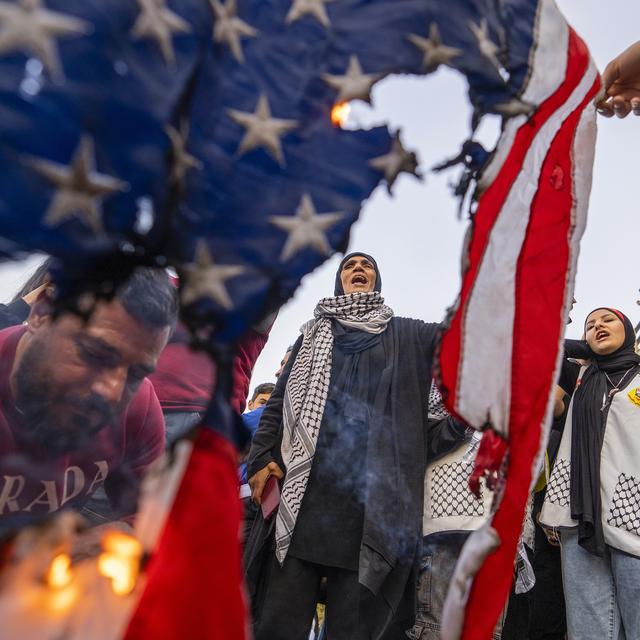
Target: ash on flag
x=198, y=135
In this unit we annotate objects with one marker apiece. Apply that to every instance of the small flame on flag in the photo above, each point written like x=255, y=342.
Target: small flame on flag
x=340, y=114
x=120, y=561
x=59, y=574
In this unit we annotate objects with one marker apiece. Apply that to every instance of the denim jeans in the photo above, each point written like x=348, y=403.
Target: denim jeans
x=440, y=553
x=602, y=594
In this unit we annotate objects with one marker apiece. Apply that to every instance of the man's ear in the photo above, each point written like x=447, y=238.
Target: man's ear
x=41, y=311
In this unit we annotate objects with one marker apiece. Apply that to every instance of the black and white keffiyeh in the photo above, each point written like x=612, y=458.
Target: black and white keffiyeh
x=306, y=394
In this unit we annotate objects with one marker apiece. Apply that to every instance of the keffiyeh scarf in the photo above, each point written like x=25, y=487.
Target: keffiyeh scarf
x=306, y=394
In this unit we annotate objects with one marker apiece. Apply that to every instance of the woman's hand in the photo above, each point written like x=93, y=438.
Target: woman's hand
x=622, y=84
x=259, y=479
x=558, y=403
x=552, y=534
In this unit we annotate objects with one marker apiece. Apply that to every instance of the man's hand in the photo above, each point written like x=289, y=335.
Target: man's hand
x=622, y=84
x=258, y=480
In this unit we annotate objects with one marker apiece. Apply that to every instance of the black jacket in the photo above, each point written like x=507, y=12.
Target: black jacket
x=400, y=441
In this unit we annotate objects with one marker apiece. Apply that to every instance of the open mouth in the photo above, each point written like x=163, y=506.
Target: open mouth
x=601, y=335
x=359, y=279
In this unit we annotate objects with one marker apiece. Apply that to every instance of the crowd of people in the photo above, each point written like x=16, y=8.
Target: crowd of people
x=356, y=484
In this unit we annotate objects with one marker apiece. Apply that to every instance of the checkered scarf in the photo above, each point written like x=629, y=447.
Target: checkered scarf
x=306, y=394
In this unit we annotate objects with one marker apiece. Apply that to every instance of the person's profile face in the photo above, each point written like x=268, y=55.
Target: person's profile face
x=74, y=378
x=283, y=363
x=259, y=401
x=604, y=332
x=358, y=274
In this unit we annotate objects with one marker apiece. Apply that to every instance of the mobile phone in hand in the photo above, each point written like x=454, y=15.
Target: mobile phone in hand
x=270, y=497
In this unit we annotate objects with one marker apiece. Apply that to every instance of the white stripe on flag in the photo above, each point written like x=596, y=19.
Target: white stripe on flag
x=549, y=68
x=484, y=382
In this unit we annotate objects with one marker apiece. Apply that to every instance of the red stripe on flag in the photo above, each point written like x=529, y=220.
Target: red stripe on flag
x=490, y=206
x=194, y=579
x=540, y=292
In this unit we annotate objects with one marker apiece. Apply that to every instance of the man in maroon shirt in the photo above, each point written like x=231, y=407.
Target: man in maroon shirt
x=76, y=410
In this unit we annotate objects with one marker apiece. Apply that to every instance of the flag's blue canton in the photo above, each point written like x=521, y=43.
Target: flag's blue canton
x=149, y=108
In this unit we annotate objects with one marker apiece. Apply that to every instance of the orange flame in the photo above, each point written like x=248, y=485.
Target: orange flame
x=340, y=113
x=120, y=561
x=59, y=574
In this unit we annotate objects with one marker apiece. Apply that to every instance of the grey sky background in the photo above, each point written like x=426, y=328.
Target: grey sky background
x=416, y=236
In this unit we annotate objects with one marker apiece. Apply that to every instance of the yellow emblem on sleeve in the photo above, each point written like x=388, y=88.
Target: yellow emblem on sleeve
x=634, y=396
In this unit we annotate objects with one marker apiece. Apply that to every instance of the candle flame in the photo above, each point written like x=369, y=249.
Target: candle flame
x=340, y=113
x=59, y=574
x=120, y=561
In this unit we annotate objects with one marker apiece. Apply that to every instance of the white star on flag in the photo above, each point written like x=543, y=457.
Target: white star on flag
x=80, y=188
x=26, y=26
x=397, y=161
x=514, y=107
x=488, y=48
x=262, y=130
x=182, y=160
x=354, y=84
x=158, y=22
x=229, y=28
x=316, y=8
x=435, y=53
x=306, y=228
x=203, y=279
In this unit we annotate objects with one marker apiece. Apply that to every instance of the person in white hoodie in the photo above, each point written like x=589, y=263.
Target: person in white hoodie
x=593, y=494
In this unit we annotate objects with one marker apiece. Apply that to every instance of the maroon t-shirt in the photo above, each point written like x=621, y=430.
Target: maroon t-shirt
x=34, y=481
x=184, y=379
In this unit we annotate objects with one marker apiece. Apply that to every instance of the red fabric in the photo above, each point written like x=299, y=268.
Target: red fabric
x=33, y=481
x=194, y=588
x=184, y=379
x=538, y=287
x=488, y=461
x=248, y=349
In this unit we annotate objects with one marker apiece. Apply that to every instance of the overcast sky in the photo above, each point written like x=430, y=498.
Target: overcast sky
x=416, y=236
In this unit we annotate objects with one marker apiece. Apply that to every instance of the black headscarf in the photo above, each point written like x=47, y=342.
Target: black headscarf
x=352, y=340
x=339, y=291
x=591, y=403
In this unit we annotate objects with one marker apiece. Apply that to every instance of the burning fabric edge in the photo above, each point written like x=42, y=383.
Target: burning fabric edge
x=118, y=594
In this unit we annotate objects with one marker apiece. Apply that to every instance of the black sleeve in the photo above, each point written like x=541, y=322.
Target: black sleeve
x=569, y=376
x=265, y=447
x=443, y=436
x=577, y=349
x=429, y=333
x=444, y=432
x=570, y=371
x=555, y=435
